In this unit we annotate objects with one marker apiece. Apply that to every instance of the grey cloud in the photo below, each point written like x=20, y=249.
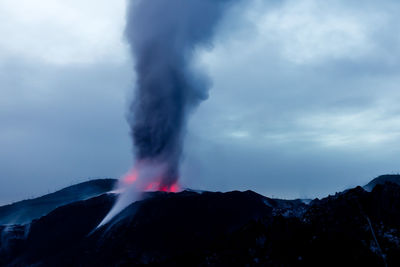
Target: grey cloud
x=61, y=124
x=270, y=124
x=259, y=92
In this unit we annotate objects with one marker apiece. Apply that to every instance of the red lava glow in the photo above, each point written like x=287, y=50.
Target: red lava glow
x=155, y=185
x=131, y=177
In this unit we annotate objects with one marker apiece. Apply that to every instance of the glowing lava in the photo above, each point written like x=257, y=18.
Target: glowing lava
x=134, y=179
x=144, y=177
x=155, y=186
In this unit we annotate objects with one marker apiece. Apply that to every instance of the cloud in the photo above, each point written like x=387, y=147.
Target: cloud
x=322, y=79
x=312, y=31
x=304, y=99
x=61, y=124
x=62, y=32
x=312, y=85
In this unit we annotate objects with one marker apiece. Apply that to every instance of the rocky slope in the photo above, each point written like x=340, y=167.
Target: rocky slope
x=27, y=210
x=352, y=228
x=391, y=178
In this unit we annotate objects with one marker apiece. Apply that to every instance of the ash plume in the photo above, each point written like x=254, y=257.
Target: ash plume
x=163, y=36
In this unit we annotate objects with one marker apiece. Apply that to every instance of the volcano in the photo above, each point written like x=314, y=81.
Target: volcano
x=195, y=228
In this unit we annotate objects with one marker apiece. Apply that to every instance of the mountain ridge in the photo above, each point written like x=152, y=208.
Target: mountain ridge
x=353, y=227
x=24, y=211
x=382, y=179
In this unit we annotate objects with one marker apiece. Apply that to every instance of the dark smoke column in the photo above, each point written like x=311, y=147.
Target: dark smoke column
x=163, y=35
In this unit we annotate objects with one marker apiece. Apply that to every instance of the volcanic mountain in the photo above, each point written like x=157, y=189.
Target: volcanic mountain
x=351, y=228
x=25, y=211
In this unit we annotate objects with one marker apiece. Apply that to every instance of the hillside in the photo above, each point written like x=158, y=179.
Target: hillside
x=25, y=211
x=387, y=178
x=350, y=228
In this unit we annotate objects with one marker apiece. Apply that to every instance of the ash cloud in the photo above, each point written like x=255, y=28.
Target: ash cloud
x=163, y=36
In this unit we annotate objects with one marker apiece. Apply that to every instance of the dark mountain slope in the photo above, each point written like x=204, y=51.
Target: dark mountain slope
x=387, y=178
x=27, y=210
x=352, y=228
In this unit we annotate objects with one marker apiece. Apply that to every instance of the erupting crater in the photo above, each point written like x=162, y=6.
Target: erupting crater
x=145, y=180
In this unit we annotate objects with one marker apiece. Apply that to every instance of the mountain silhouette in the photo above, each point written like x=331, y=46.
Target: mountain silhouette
x=351, y=228
x=25, y=211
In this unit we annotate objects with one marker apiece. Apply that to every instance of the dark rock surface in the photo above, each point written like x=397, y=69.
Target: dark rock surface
x=27, y=210
x=391, y=178
x=352, y=228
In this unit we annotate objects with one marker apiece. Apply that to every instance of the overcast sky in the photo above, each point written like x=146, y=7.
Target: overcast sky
x=304, y=99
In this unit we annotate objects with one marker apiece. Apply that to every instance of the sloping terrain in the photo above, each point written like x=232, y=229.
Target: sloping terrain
x=391, y=178
x=352, y=228
x=25, y=211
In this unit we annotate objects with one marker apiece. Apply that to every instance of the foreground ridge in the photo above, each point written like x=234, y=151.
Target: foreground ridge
x=190, y=228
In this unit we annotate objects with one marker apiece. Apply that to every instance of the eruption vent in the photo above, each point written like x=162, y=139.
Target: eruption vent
x=163, y=34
